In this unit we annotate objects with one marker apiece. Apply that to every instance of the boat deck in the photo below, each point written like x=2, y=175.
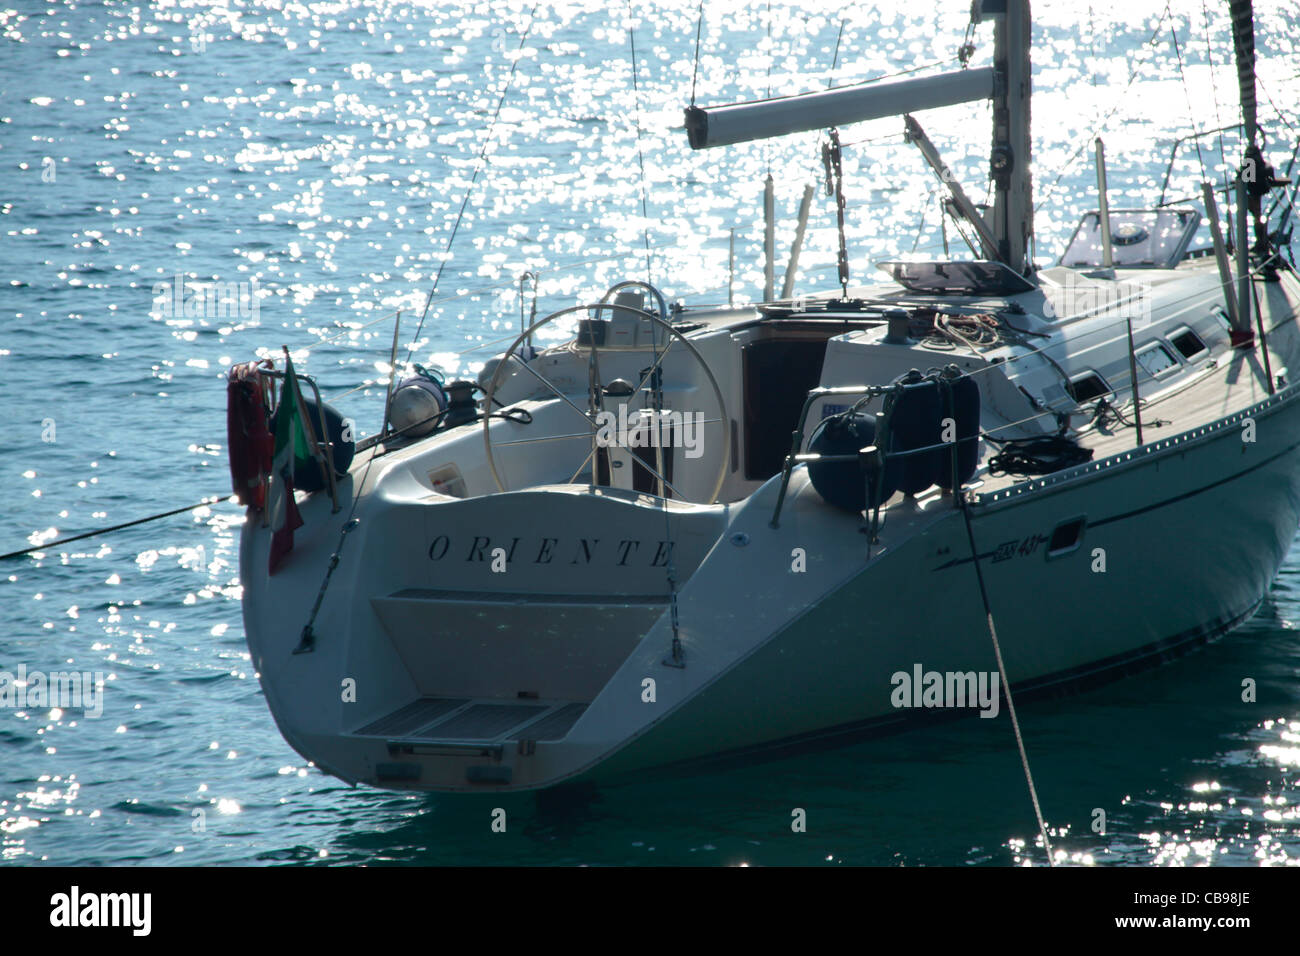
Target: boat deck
x=1232, y=380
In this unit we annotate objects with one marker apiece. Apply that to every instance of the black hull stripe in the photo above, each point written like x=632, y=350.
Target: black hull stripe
x=956, y=562
x=1190, y=494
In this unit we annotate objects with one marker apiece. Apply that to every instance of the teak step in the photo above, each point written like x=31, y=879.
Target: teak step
x=464, y=721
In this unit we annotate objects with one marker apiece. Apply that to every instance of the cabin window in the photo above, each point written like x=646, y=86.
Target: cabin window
x=1139, y=238
x=1066, y=537
x=1188, y=343
x=1086, y=387
x=1157, y=360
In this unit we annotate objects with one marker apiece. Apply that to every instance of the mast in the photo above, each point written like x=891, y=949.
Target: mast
x=1009, y=161
x=1243, y=44
x=1256, y=175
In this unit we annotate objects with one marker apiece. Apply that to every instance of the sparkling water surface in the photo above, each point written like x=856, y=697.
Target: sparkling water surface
x=320, y=153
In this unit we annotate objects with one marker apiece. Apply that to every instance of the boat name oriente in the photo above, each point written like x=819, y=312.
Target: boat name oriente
x=922, y=688
x=626, y=552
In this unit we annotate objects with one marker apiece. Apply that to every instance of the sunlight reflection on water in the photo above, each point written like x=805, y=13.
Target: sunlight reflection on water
x=323, y=150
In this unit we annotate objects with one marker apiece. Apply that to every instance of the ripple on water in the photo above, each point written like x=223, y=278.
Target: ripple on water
x=320, y=155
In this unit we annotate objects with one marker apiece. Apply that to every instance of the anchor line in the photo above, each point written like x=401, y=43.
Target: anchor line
x=1006, y=685
x=206, y=502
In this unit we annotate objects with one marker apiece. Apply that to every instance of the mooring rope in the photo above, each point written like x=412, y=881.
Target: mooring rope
x=212, y=500
x=1006, y=684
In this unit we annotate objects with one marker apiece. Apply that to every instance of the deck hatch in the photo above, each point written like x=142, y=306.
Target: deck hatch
x=1156, y=360
x=1084, y=388
x=1188, y=343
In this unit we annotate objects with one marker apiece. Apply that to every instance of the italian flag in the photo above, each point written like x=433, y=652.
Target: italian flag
x=292, y=450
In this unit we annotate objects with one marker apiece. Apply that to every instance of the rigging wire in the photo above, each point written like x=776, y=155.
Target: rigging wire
x=640, y=151
x=1214, y=87
x=1119, y=102
x=479, y=165
x=920, y=226
x=1276, y=109
x=835, y=56
x=1092, y=42
x=1295, y=188
x=767, y=143
x=307, y=640
x=967, y=48
x=699, y=26
x=816, y=136
x=1191, y=110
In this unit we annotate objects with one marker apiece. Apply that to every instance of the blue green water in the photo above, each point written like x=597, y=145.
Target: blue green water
x=323, y=150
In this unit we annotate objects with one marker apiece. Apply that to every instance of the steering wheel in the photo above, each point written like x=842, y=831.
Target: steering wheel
x=589, y=417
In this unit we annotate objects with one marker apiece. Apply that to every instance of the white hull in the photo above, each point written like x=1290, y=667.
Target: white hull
x=1233, y=516
x=525, y=604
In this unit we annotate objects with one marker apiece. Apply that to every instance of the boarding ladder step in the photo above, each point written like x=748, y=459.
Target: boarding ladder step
x=468, y=725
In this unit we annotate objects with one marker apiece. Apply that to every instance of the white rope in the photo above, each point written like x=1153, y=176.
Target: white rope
x=1006, y=686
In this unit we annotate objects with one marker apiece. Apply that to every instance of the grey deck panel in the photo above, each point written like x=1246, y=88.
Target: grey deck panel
x=410, y=718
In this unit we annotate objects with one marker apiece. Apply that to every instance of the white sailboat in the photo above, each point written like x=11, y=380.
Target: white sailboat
x=696, y=531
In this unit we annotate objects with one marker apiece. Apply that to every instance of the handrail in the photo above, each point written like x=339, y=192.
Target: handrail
x=1173, y=153
x=868, y=391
